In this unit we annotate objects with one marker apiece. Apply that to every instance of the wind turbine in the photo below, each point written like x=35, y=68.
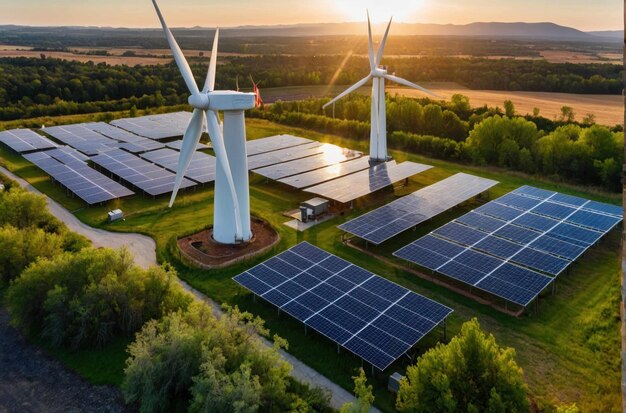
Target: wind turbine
x=378, y=132
x=231, y=218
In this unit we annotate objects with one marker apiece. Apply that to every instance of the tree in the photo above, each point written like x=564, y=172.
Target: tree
x=469, y=374
x=536, y=112
x=589, y=119
x=567, y=114
x=364, y=396
x=509, y=109
x=568, y=408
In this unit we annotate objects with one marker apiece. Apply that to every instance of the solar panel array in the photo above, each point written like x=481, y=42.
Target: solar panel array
x=179, y=144
x=356, y=185
x=82, y=138
x=327, y=173
x=69, y=168
x=161, y=126
x=131, y=142
x=25, y=140
x=506, y=246
x=330, y=156
x=201, y=168
x=372, y=317
x=286, y=154
x=145, y=175
x=274, y=143
x=387, y=221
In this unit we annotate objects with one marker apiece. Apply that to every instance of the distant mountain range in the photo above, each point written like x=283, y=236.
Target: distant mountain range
x=491, y=29
x=487, y=29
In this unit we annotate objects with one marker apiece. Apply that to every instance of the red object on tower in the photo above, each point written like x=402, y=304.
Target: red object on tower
x=258, y=102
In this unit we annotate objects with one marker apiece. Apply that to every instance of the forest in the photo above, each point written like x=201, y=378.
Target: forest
x=49, y=87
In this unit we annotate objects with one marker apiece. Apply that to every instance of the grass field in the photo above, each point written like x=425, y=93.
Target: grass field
x=569, y=350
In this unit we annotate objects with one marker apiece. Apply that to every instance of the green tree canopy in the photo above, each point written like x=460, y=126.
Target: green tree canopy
x=469, y=374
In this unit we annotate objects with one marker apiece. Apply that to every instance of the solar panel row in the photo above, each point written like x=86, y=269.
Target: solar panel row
x=146, y=176
x=67, y=168
x=131, y=142
x=286, y=154
x=331, y=155
x=373, y=318
x=160, y=126
x=201, y=167
x=25, y=140
x=82, y=138
x=526, y=228
x=387, y=221
x=356, y=185
x=179, y=144
x=274, y=143
x=327, y=173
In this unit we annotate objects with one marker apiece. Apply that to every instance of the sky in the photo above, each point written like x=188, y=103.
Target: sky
x=581, y=14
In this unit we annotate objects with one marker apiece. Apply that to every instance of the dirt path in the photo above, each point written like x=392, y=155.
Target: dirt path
x=144, y=250
x=30, y=381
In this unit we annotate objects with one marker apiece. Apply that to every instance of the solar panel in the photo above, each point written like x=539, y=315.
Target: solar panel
x=524, y=234
x=375, y=319
x=132, y=143
x=179, y=144
x=385, y=222
x=69, y=168
x=274, y=143
x=284, y=155
x=25, y=140
x=82, y=138
x=201, y=167
x=356, y=185
x=331, y=155
x=159, y=126
x=146, y=176
x=327, y=173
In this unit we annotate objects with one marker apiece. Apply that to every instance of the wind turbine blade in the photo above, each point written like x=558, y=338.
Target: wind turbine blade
x=371, y=43
x=190, y=142
x=209, y=84
x=217, y=137
x=179, y=57
x=349, y=90
x=381, y=48
x=411, y=84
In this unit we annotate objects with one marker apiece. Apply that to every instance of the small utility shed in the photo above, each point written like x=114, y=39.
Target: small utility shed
x=317, y=205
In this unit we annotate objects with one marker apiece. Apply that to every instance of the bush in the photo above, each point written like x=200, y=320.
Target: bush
x=470, y=374
x=190, y=359
x=85, y=299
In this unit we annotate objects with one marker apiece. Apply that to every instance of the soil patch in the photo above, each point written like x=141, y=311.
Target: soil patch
x=203, y=251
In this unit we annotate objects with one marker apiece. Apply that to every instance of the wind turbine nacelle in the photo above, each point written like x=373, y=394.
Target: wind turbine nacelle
x=230, y=100
x=378, y=72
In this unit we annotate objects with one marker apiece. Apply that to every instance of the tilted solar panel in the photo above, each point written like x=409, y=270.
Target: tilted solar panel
x=372, y=317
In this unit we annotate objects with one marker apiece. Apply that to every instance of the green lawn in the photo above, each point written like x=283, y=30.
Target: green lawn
x=569, y=350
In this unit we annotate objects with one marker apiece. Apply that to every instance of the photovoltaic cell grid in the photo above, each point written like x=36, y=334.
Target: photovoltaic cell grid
x=179, y=144
x=540, y=230
x=327, y=173
x=161, y=126
x=274, y=143
x=201, y=168
x=375, y=319
x=25, y=140
x=129, y=141
x=145, y=175
x=82, y=138
x=331, y=155
x=67, y=167
x=283, y=155
x=356, y=185
x=389, y=220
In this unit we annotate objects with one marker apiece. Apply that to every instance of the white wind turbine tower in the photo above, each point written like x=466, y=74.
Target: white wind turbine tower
x=378, y=133
x=232, y=195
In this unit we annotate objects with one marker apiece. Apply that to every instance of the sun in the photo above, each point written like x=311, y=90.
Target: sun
x=380, y=11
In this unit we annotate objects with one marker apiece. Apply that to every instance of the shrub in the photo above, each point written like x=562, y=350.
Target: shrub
x=85, y=299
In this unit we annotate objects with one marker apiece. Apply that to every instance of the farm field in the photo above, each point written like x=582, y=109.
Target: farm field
x=608, y=109
x=569, y=349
